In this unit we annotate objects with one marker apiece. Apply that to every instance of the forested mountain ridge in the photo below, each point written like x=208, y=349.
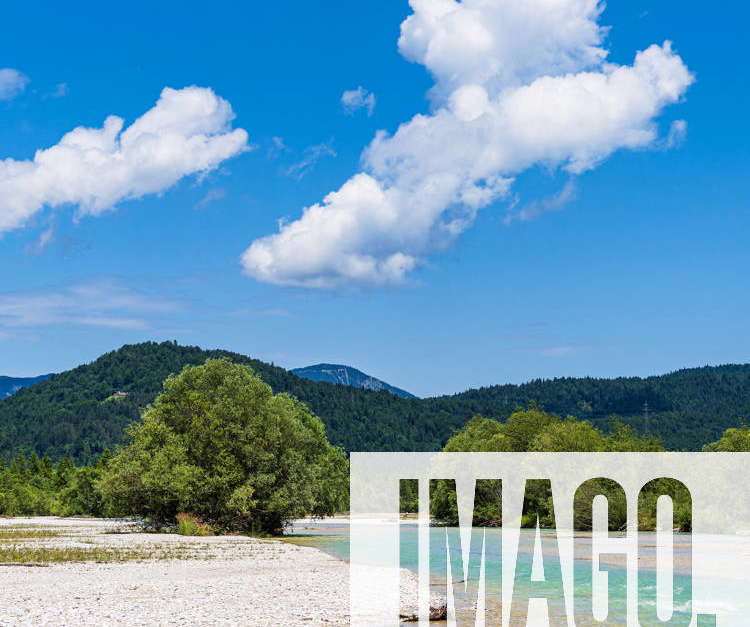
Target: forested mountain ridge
x=76, y=413
x=687, y=408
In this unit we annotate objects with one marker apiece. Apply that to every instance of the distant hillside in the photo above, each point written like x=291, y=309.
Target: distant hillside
x=75, y=413
x=11, y=385
x=346, y=375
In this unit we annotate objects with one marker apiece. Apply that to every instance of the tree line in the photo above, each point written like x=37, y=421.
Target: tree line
x=74, y=414
x=218, y=451
x=533, y=429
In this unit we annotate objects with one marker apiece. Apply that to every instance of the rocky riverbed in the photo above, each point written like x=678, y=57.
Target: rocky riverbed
x=50, y=576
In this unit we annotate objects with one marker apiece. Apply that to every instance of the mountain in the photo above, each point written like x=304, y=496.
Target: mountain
x=346, y=375
x=11, y=385
x=78, y=414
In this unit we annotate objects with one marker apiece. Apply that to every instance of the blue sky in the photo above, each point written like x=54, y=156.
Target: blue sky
x=636, y=265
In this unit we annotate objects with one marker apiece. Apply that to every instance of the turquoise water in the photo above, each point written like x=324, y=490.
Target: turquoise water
x=333, y=539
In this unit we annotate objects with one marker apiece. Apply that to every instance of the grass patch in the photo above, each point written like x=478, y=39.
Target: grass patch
x=114, y=398
x=303, y=540
x=189, y=525
x=56, y=555
x=28, y=534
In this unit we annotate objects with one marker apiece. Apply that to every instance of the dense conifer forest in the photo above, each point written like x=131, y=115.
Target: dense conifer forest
x=79, y=413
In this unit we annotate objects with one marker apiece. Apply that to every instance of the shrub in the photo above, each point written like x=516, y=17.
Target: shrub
x=189, y=525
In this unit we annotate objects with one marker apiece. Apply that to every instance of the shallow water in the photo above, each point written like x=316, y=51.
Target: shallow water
x=332, y=537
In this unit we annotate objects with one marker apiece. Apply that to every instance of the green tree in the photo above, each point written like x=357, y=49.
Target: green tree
x=624, y=439
x=81, y=496
x=535, y=430
x=733, y=441
x=219, y=444
x=569, y=436
x=480, y=435
x=524, y=425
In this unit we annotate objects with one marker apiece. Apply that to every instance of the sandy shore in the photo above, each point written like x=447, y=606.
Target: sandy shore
x=187, y=581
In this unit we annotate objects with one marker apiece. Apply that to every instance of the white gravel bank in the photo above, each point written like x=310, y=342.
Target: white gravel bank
x=218, y=581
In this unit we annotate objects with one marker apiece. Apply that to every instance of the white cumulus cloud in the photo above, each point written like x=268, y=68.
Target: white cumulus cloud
x=518, y=83
x=357, y=99
x=12, y=83
x=188, y=131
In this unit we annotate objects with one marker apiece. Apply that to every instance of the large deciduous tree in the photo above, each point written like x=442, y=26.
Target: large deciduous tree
x=219, y=444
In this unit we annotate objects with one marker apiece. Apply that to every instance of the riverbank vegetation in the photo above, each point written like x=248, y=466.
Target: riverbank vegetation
x=36, y=486
x=224, y=453
x=535, y=430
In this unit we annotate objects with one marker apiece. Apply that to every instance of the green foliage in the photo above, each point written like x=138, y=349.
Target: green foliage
x=625, y=439
x=69, y=419
x=36, y=487
x=682, y=504
x=443, y=503
x=480, y=435
x=524, y=426
x=538, y=507
x=189, y=525
x=535, y=430
x=69, y=416
x=409, y=496
x=487, y=502
x=217, y=442
x=733, y=441
x=569, y=436
x=617, y=506
x=81, y=495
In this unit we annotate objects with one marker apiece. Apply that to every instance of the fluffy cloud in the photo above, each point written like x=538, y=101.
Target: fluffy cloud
x=518, y=83
x=502, y=44
x=188, y=131
x=12, y=83
x=357, y=99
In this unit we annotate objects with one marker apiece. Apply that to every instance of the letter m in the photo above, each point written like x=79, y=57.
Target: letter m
x=459, y=552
